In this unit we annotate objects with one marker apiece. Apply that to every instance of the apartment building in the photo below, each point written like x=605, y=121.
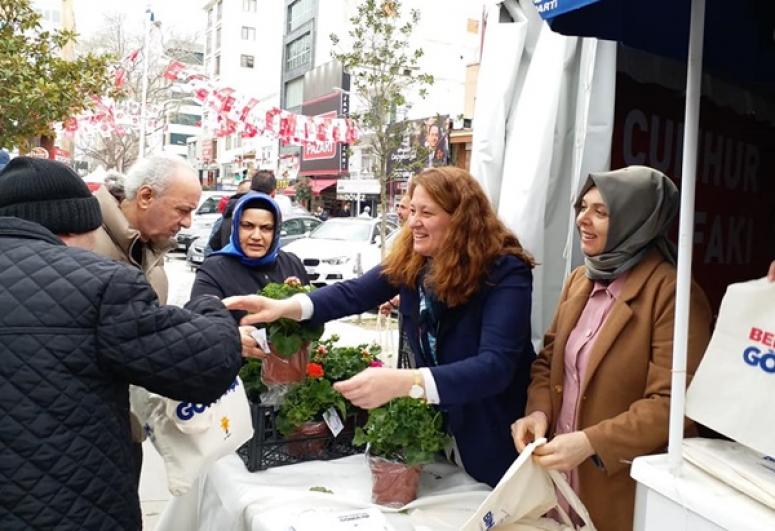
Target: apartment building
x=242, y=50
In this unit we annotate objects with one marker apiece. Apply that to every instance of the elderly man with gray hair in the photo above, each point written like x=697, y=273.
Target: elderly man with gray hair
x=161, y=193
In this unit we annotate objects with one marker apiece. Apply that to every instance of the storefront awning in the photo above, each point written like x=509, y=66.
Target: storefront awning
x=318, y=185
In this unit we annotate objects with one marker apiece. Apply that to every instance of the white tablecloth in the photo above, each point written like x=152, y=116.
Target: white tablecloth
x=228, y=497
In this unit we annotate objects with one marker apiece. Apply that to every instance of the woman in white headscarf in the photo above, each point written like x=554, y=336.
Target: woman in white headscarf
x=600, y=387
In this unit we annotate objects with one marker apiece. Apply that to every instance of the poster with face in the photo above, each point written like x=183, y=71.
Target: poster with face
x=436, y=142
x=425, y=145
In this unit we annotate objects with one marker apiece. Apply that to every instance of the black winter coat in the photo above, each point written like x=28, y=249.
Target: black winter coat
x=225, y=276
x=75, y=330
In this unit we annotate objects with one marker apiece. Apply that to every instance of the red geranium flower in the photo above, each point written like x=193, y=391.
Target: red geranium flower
x=376, y=363
x=315, y=370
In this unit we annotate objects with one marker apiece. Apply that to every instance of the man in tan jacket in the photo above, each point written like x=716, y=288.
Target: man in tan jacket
x=161, y=193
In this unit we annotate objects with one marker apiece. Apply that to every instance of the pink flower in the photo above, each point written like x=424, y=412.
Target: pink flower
x=322, y=350
x=293, y=282
x=376, y=363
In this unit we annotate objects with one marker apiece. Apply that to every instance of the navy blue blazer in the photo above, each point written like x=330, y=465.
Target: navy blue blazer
x=484, y=353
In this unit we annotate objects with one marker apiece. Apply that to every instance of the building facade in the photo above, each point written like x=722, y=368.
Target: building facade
x=242, y=44
x=265, y=49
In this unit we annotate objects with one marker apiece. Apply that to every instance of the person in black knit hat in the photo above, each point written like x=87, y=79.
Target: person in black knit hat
x=48, y=193
x=75, y=330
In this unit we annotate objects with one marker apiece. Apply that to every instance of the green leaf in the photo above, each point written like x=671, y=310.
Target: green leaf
x=405, y=430
x=285, y=345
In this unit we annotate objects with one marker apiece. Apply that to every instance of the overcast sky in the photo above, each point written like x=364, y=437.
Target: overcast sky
x=181, y=16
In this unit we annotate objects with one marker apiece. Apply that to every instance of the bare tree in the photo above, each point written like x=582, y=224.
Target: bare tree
x=119, y=149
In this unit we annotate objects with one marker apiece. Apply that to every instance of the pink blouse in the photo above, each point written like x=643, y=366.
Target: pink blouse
x=577, y=349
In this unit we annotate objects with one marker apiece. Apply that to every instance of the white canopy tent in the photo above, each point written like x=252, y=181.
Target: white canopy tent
x=557, y=114
x=544, y=120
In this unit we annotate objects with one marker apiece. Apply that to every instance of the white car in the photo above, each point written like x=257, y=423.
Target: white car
x=341, y=249
x=202, y=218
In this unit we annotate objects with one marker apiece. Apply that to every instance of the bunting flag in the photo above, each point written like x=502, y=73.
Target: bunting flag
x=234, y=113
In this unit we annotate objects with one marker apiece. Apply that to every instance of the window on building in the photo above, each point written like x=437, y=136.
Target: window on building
x=208, y=42
x=294, y=93
x=218, y=38
x=266, y=155
x=299, y=12
x=179, y=139
x=180, y=118
x=217, y=66
x=210, y=18
x=246, y=61
x=220, y=9
x=298, y=52
x=249, y=5
x=367, y=161
x=248, y=33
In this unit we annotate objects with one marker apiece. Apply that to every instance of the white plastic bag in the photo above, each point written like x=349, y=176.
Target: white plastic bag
x=524, y=495
x=386, y=339
x=190, y=436
x=732, y=391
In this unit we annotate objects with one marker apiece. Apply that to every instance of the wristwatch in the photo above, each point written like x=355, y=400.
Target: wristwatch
x=417, y=390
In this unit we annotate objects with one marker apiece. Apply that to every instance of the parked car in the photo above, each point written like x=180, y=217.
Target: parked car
x=203, y=217
x=291, y=230
x=341, y=249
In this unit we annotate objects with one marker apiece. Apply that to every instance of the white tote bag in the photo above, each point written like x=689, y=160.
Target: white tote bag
x=736, y=465
x=190, y=436
x=386, y=339
x=524, y=495
x=733, y=391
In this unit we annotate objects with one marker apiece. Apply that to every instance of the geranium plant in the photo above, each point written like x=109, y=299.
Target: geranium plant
x=286, y=335
x=344, y=362
x=405, y=429
x=308, y=400
x=250, y=373
x=402, y=435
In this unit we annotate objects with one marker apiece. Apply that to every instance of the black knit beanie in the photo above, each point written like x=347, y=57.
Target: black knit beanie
x=49, y=193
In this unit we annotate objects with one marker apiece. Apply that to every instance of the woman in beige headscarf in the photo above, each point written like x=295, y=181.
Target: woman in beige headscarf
x=601, y=385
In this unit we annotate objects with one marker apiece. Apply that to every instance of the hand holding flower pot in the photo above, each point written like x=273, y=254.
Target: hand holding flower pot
x=289, y=340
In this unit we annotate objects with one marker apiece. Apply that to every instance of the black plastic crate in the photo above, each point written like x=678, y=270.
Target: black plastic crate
x=268, y=448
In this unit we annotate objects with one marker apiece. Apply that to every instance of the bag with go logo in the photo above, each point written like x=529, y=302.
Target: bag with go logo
x=732, y=391
x=190, y=436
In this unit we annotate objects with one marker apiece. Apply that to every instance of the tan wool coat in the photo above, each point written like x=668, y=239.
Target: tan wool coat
x=625, y=393
x=117, y=240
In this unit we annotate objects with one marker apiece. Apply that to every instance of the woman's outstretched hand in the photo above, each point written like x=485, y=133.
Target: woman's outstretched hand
x=263, y=309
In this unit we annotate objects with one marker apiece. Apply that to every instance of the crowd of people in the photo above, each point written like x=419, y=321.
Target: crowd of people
x=84, y=276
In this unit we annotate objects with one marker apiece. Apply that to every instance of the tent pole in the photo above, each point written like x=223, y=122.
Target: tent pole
x=686, y=232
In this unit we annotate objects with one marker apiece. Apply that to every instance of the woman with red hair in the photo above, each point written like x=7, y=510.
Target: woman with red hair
x=465, y=286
